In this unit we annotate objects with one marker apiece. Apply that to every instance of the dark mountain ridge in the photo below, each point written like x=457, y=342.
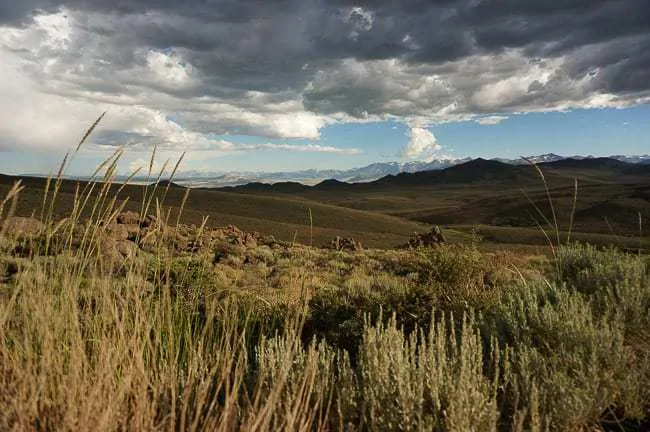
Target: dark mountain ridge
x=475, y=171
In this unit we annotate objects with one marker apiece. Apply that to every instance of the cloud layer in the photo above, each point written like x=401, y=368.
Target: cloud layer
x=179, y=73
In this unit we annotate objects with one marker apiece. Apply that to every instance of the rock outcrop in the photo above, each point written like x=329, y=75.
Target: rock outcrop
x=16, y=226
x=235, y=236
x=429, y=239
x=112, y=243
x=345, y=244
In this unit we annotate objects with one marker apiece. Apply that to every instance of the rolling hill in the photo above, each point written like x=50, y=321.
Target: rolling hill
x=472, y=172
x=611, y=194
x=612, y=197
x=285, y=217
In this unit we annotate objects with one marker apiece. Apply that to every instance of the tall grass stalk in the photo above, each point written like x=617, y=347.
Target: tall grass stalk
x=311, y=227
x=173, y=174
x=12, y=200
x=552, y=223
x=548, y=197
x=640, y=218
x=574, y=202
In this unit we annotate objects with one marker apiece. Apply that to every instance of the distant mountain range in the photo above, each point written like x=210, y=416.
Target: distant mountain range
x=313, y=176
x=364, y=174
x=552, y=157
x=477, y=173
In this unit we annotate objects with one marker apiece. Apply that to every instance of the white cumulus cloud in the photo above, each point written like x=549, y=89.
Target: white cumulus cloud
x=422, y=144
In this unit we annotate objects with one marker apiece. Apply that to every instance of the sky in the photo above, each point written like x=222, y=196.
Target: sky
x=276, y=85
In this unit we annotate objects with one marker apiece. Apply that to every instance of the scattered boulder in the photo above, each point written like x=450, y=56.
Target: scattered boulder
x=188, y=238
x=16, y=226
x=134, y=232
x=270, y=241
x=345, y=244
x=133, y=218
x=429, y=239
x=143, y=231
x=234, y=235
x=148, y=240
x=124, y=235
x=225, y=250
x=113, y=254
x=126, y=248
x=128, y=218
x=25, y=237
x=275, y=244
x=119, y=231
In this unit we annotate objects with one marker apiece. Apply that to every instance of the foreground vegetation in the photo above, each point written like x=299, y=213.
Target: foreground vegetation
x=219, y=333
x=131, y=321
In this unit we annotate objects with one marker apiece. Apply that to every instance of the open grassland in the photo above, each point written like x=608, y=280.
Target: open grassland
x=603, y=214
x=147, y=325
x=286, y=218
x=599, y=208
x=515, y=236
x=599, y=196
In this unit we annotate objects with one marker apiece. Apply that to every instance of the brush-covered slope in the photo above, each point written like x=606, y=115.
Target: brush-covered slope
x=283, y=216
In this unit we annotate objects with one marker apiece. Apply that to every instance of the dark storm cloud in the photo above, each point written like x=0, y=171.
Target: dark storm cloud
x=17, y=12
x=256, y=60
x=559, y=27
x=221, y=10
x=444, y=28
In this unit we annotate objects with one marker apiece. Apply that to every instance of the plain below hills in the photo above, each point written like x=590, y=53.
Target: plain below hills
x=612, y=197
x=287, y=218
x=613, y=200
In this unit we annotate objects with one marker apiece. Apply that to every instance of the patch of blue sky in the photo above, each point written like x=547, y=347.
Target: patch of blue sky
x=598, y=132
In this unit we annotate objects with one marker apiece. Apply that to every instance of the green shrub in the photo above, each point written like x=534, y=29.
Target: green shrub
x=461, y=276
x=448, y=265
x=615, y=281
x=577, y=363
x=426, y=381
x=338, y=314
x=295, y=386
x=589, y=270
